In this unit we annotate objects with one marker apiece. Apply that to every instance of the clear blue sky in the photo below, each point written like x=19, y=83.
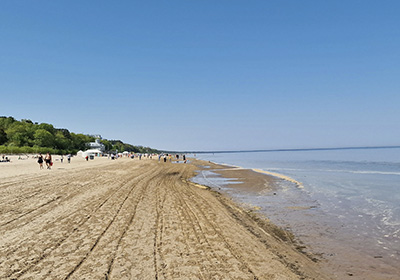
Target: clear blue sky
x=206, y=75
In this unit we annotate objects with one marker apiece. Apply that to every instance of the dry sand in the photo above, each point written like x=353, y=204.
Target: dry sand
x=131, y=219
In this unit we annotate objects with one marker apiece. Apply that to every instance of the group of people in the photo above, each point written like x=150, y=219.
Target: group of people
x=5, y=159
x=48, y=160
x=130, y=155
x=169, y=158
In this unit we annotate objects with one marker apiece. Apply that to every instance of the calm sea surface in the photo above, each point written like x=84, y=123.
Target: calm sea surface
x=350, y=196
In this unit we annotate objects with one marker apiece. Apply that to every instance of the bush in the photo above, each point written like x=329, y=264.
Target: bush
x=29, y=150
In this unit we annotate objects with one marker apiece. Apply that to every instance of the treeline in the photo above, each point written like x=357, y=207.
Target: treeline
x=118, y=145
x=27, y=137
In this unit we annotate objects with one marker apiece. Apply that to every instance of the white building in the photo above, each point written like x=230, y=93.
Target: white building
x=97, y=145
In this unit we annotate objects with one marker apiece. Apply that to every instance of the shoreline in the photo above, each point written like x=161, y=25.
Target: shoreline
x=336, y=258
x=134, y=219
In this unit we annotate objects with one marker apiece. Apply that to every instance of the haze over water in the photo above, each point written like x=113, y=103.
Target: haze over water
x=350, y=197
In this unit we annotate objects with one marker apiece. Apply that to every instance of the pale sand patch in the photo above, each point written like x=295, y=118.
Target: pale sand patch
x=29, y=165
x=286, y=178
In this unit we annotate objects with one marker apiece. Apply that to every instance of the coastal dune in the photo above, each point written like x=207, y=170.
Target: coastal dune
x=133, y=219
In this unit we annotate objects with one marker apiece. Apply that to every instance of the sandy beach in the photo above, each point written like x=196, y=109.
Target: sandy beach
x=131, y=219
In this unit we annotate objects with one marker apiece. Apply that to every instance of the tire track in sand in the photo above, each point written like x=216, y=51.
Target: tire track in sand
x=17, y=241
x=208, y=235
x=129, y=224
x=110, y=243
x=136, y=220
x=81, y=215
x=134, y=257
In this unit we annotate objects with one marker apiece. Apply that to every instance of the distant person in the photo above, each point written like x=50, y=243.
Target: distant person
x=69, y=158
x=40, y=161
x=48, y=161
x=62, y=158
x=87, y=158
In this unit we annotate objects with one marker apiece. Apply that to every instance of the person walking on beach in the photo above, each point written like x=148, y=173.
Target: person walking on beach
x=62, y=158
x=69, y=158
x=40, y=161
x=48, y=160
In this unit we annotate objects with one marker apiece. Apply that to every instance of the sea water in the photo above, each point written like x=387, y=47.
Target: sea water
x=351, y=197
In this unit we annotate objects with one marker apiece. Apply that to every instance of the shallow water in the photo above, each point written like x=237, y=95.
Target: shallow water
x=350, y=199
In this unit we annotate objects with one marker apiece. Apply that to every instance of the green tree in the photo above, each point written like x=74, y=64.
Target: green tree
x=43, y=138
x=27, y=121
x=79, y=141
x=50, y=128
x=108, y=145
x=5, y=122
x=61, y=142
x=20, y=134
x=3, y=137
x=26, y=136
x=64, y=132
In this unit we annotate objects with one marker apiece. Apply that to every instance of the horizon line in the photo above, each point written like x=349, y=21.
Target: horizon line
x=287, y=150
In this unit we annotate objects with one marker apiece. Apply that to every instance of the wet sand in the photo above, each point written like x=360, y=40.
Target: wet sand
x=131, y=219
x=252, y=188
